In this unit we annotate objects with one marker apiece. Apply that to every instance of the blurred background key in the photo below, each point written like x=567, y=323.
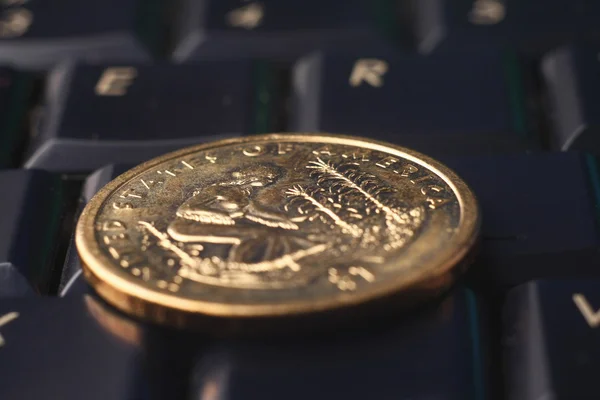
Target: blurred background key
x=281, y=29
x=530, y=25
x=98, y=115
x=442, y=104
x=37, y=34
x=552, y=340
x=30, y=222
x=572, y=79
x=15, y=90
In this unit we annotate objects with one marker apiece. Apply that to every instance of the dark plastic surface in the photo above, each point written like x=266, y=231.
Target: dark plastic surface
x=538, y=216
x=278, y=29
x=432, y=356
x=572, y=85
x=162, y=108
x=552, y=341
x=77, y=348
x=529, y=25
x=31, y=212
x=439, y=104
x=46, y=32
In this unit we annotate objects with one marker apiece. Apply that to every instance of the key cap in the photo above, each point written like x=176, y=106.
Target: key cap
x=80, y=348
x=56, y=346
x=37, y=33
x=439, y=104
x=539, y=219
x=552, y=340
x=15, y=88
x=72, y=282
x=114, y=114
x=399, y=361
x=30, y=222
x=280, y=30
x=572, y=83
x=531, y=25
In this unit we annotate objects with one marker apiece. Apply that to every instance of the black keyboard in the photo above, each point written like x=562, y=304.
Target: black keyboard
x=504, y=92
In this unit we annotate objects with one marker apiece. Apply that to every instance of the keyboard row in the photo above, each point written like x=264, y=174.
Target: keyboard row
x=445, y=104
x=547, y=343
x=540, y=220
x=38, y=33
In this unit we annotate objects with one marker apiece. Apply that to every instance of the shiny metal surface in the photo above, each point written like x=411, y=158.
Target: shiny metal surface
x=274, y=226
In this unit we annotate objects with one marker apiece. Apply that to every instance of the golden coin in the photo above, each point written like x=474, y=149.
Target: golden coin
x=277, y=225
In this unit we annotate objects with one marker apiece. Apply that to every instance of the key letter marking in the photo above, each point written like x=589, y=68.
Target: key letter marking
x=247, y=17
x=114, y=81
x=370, y=70
x=487, y=12
x=592, y=317
x=5, y=319
x=15, y=22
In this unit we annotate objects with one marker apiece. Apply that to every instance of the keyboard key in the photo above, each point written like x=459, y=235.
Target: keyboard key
x=101, y=115
x=572, y=77
x=438, y=104
x=539, y=218
x=529, y=24
x=72, y=282
x=436, y=355
x=552, y=340
x=280, y=30
x=30, y=222
x=80, y=348
x=15, y=88
x=64, y=348
x=39, y=33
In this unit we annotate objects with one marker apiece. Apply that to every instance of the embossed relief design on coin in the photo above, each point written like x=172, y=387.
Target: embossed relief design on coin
x=336, y=211
x=273, y=219
x=253, y=242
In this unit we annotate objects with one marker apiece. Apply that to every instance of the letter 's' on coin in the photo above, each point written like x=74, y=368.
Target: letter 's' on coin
x=276, y=226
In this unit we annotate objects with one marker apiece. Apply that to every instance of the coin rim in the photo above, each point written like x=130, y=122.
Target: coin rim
x=143, y=301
